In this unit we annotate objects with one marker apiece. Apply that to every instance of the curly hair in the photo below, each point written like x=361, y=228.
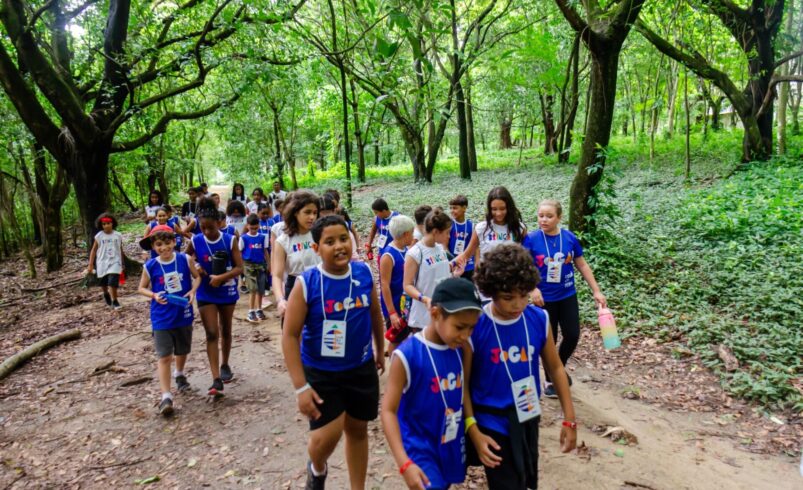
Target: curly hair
x=507, y=268
x=98, y=224
x=296, y=203
x=235, y=206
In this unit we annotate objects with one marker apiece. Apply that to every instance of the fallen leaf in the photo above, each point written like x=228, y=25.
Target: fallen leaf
x=192, y=462
x=618, y=434
x=146, y=481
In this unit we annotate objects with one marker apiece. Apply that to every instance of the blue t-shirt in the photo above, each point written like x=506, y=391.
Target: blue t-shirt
x=172, y=223
x=253, y=247
x=277, y=218
x=396, y=286
x=422, y=413
x=565, y=248
x=383, y=231
x=226, y=293
x=229, y=229
x=167, y=316
x=354, y=309
x=169, y=223
x=490, y=383
x=264, y=226
x=461, y=233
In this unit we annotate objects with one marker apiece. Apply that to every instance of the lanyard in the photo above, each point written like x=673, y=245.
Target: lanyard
x=438, y=376
x=164, y=273
x=210, y=248
x=351, y=289
x=560, y=246
x=465, y=229
x=526, y=333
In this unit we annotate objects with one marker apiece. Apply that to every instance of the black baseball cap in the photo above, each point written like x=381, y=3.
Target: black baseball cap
x=456, y=294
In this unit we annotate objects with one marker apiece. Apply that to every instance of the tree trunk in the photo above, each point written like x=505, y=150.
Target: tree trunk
x=277, y=157
x=471, y=143
x=783, y=93
x=505, y=125
x=548, y=118
x=462, y=128
x=760, y=69
x=90, y=182
x=355, y=113
x=688, y=122
x=671, y=95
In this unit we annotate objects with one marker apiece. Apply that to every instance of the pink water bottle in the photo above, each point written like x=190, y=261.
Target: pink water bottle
x=607, y=326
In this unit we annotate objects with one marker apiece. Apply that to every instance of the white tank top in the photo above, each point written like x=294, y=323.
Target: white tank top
x=433, y=267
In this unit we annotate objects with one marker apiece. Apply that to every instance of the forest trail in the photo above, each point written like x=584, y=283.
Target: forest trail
x=68, y=428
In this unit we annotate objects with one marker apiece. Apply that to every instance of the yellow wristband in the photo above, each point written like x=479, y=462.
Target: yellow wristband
x=469, y=422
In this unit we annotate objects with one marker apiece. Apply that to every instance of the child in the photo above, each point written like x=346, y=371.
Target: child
x=502, y=225
x=175, y=223
x=420, y=214
x=276, y=195
x=328, y=207
x=238, y=193
x=277, y=223
x=427, y=443
x=554, y=252
x=379, y=228
x=155, y=202
x=217, y=294
x=341, y=211
x=235, y=216
x=501, y=373
x=462, y=230
x=395, y=303
x=264, y=218
x=173, y=273
x=254, y=246
x=189, y=207
x=108, y=250
x=257, y=198
x=216, y=198
x=224, y=227
x=334, y=315
x=162, y=219
x=425, y=265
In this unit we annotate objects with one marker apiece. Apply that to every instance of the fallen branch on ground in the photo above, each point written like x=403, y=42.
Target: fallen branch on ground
x=17, y=359
x=44, y=288
x=136, y=381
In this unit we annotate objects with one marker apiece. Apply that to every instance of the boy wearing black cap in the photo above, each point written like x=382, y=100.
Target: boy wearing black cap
x=426, y=372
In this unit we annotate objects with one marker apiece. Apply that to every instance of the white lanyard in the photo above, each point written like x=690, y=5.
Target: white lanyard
x=438, y=376
x=560, y=246
x=323, y=306
x=210, y=248
x=164, y=273
x=502, y=349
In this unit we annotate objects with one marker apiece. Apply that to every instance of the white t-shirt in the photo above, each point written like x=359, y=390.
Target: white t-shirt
x=237, y=222
x=300, y=255
x=109, y=256
x=492, y=238
x=433, y=267
x=277, y=229
x=273, y=196
x=150, y=211
x=417, y=235
x=252, y=207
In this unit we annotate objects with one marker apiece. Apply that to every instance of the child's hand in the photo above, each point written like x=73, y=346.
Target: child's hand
x=568, y=439
x=537, y=297
x=281, y=307
x=395, y=321
x=458, y=268
x=190, y=295
x=427, y=301
x=379, y=360
x=600, y=299
x=415, y=478
x=486, y=446
x=307, y=401
x=215, y=281
x=160, y=298
x=89, y=270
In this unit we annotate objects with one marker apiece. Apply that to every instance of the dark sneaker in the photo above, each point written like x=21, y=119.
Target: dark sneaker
x=314, y=482
x=108, y=298
x=182, y=384
x=225, y=373
x=549, y=391
x=216, y=389
x=116, y=305
x=252, y=317
x=261, y=315
x=166, y=407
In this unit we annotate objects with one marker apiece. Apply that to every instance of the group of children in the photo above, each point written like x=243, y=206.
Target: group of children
x=468, y=310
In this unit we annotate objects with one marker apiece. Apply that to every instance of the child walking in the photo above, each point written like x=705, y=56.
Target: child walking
x=426, y=373
x=379, y=228
x=555, y=252
x=462, y=230
x=106, y=258
x=155, y=202
x=220, y=264
x=502, y=225
x=169, y=273
x=395, y=304
x=420, y=215
x=256, y=256
x=501, y=371
x=333, y=318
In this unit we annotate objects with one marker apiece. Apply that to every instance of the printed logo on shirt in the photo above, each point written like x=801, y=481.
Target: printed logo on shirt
x=332, y=306
x=180, y=278
x=435, y=259
x=542, y=260
x=523, y=397
x=514, y=354
x=461, y=235
x=334, y=339
x=300, y=247
x=256, y=246
x=449, y=382
x=497, y=237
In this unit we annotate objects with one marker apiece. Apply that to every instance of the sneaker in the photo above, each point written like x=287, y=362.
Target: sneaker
x=182, y=384
x=243, y=288
x=261, y=315
x=225, y=373
x=252, y=317
x=166, y=407
x=549, y=391
x=314, y=482
x=108, y=298
x=116, y=305
x=216, y=389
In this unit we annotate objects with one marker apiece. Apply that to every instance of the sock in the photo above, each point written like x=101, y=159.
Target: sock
x=178, y=373
x=166, y=395
x=316, y=472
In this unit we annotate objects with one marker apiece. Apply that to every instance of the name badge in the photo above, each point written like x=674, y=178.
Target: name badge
x=172, y=282
x=525, y=397
x=451, y=423
x=553, y=270
x=333, y=340
x=459, y=246
x=381, y=241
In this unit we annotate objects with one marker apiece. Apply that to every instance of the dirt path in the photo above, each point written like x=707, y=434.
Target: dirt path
x=69, y=429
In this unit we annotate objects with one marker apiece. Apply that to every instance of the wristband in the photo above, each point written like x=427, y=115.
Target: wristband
x=470, y=421
x=303, y=389
x=393, y=313
x=404, y=467
x=421, y=297
x=571, y=425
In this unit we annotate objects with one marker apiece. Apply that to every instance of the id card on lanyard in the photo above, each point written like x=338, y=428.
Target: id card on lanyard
x=381, y=240
x=525, y=396
x=554, y=265
x=460, y=243
x=451, y=418
x=333, y=337
x=172, y=281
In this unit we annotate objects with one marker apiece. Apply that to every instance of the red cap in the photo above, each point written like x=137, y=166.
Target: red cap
x=145, y=243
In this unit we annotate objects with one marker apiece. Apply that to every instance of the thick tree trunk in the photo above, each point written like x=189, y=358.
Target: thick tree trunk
x=462, y=128
x=671, y=95
x=604, y=64
x=355, y=112
x=90, y=182
x=760, y=69
x=505, y=125
x=471, y=143
x=277, y=157
x=548, y=118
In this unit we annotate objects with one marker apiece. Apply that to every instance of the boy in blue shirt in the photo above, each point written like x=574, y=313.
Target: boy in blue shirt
x=379, y=228
x=170, y=273
x=332, y=319
x=254, y=246
x=426, y=372
x=462, y=229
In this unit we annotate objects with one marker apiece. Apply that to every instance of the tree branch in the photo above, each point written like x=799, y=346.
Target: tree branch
x=571, y=15
x=770, y=95
x=788, y=57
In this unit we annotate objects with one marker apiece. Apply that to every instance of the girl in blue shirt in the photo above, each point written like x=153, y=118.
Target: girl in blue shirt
x=501, y=373
x=395, y=304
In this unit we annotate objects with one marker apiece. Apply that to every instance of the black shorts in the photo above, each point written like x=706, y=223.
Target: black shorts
x=468, y=275
x=355, y=391
x=174, y=341
x=504, y=476
x=207, y=303
x=110, y=280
